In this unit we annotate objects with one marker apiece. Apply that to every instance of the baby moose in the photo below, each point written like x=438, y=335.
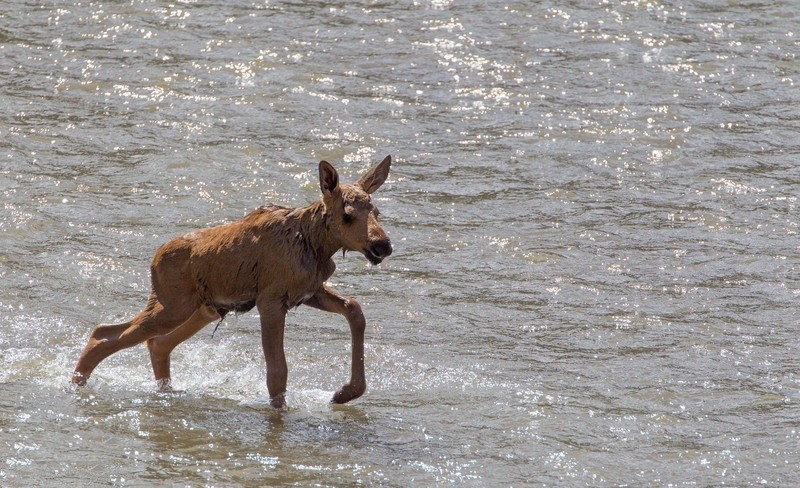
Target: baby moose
x=275, y=258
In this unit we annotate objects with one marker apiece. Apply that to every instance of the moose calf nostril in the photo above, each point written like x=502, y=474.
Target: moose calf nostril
x=382, y=249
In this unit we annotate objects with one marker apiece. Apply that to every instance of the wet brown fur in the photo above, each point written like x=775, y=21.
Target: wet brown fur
x=275, y=258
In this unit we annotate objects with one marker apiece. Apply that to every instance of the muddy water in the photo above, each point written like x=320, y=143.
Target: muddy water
x=593, y=205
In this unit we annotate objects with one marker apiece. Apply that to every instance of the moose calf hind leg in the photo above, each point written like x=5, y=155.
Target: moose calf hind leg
x=160, y=347
x=99, y=346
x=105, y=340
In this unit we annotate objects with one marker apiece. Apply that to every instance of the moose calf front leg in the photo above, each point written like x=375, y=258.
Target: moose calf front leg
x=273, y=319
x=358, y=381
x=330, y=301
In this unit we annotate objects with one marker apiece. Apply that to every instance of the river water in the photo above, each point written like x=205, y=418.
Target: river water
x=593, y=204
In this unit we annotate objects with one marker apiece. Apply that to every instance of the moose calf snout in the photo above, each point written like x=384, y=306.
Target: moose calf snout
x=378, y=251
x=381, y=249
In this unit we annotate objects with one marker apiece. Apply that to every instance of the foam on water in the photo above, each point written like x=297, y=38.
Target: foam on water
x=230, y=368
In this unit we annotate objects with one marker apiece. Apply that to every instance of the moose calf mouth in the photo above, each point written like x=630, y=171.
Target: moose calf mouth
x=378, y=252
x=376, y=260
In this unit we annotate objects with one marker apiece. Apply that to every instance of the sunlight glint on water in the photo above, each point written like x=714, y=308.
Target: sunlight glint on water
x=593, y=207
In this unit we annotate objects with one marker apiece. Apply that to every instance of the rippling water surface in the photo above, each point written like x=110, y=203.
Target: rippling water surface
x=594, y=207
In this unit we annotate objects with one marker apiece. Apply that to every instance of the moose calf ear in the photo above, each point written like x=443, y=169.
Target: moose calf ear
x=328, y=178
x=375, y=177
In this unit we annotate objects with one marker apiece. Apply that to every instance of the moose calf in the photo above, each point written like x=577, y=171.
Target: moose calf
x=275, y=258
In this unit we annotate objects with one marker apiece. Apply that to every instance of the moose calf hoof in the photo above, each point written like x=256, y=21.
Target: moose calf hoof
x=348, y=392
x=164, y=385
x=79, y=379
x=278, y=401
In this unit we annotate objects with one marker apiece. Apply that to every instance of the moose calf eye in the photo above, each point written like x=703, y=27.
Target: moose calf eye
x=347, y=218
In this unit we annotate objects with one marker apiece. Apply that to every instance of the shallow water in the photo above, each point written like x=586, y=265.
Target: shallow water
x=593, y=207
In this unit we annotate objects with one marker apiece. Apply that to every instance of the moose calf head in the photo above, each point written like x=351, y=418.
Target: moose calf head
x=351, y=215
